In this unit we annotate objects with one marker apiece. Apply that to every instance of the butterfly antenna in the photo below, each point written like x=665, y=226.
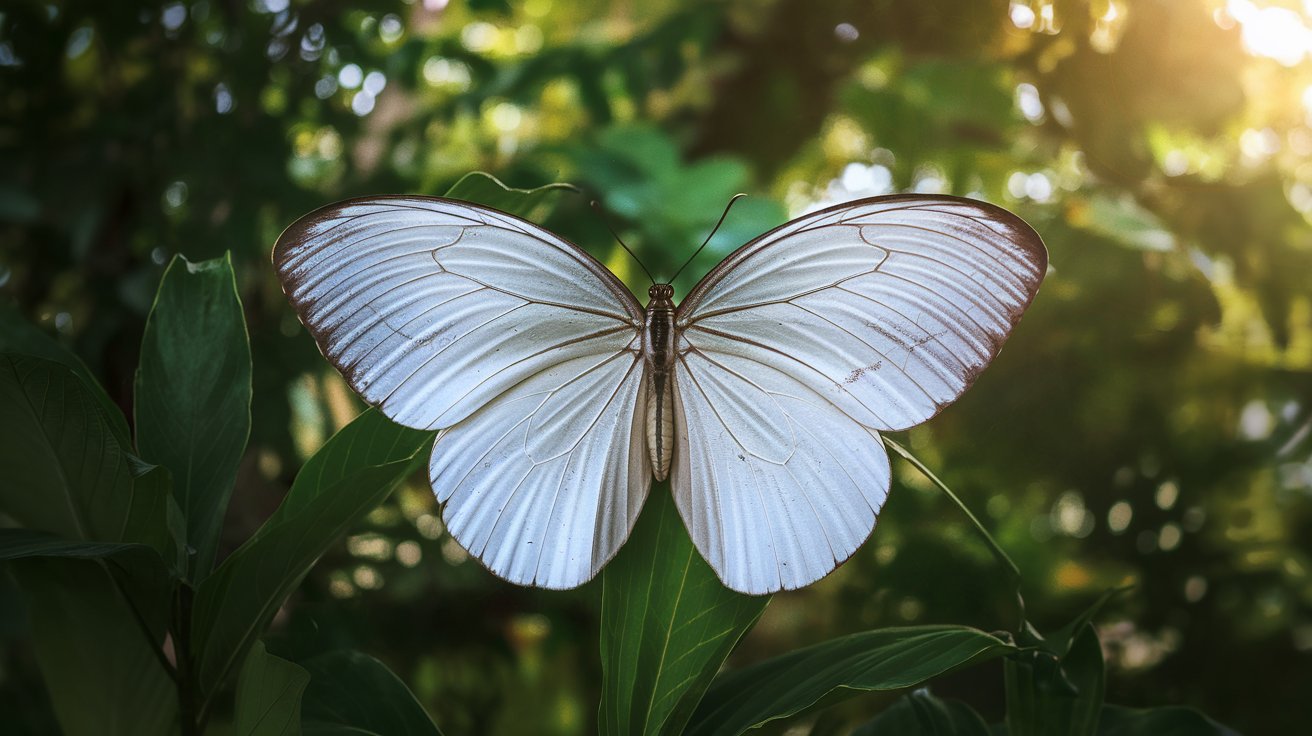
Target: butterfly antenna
x=715, y=229
x=596, y=206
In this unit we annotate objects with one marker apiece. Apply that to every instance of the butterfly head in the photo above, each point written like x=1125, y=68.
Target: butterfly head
x=660, y=293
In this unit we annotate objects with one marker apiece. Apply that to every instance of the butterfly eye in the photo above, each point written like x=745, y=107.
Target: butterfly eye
x=660, y=291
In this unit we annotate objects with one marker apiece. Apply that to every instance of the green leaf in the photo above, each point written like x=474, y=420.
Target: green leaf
x=66, y=471
x=143, y=580
x=1051, y=697
x=920, y=714
x=269, y=695
x=17, y=335
x=350, y=475
x=193, y=394
x=879, y=660
x=351, y=692
x=97, y=598
x=1168, y=721
x=1060, y=642
x=20, y=544
x=104, y=676
x=486, y=189
x=667, y=624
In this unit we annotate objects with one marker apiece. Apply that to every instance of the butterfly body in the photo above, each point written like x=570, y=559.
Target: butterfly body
x=557, y=397
x=658, y=354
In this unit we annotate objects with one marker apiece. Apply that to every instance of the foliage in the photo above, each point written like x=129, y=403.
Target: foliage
x=1146, y=426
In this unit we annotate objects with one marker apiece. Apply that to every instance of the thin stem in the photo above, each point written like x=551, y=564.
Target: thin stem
x=998, y=553
x=191, y=720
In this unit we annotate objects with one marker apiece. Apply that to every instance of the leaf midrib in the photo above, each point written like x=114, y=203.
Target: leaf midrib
x=669, y=634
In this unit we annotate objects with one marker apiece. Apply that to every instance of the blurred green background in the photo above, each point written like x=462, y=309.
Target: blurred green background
x=1149, y=423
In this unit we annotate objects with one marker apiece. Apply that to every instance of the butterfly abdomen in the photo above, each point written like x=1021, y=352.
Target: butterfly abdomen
x=658, y=352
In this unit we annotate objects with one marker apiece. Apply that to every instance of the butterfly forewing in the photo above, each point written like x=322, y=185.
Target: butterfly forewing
x=863, y=317
x=517, y=344
x=431, y=308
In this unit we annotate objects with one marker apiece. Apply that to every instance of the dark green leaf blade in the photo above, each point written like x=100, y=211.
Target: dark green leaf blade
x=1167, y=721
x=66, y=471
x=667, y=624
x=883, y=659
x=1050, y=697
x=143, y=580
x=193, y=394
x=351, y=692
x=350, y=475
x=919, y=713
x=97, y=598
x=103, y=677
x=269, y=695
x=20, y=544
x=17, y=335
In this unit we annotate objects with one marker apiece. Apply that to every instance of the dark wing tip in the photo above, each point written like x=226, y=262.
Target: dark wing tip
x=1019, y=232
x=301, y=230
x=1023, y=235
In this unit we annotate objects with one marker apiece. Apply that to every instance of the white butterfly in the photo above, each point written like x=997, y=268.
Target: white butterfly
x=559, y=398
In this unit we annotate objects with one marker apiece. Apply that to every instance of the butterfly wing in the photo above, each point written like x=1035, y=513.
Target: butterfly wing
x=516, y=344
x=805, y=343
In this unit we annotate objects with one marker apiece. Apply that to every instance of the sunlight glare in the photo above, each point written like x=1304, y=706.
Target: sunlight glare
x=1276, y=33
x=1022, y=16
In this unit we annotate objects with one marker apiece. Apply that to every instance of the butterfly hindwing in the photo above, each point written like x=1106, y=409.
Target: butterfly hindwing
x=864, y=317
x=545, y=483
x=776, y=490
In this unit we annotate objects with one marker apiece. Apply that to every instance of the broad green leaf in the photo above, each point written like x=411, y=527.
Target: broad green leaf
x=105, y=677
x=98, y=600
x=486, y=189
x=66, y=473
x=350, y=475
x=920, y=714
x=17, y=335
x=137, y=571
x=667, y=624
x=1167, y=721
x=193, y=394
x=1051, y=697
x=879, y=660
x=351, y=692
x=269, y=695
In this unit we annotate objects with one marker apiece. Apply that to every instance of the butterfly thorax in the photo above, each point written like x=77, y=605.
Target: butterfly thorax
x=658, y=337
x=659, y=355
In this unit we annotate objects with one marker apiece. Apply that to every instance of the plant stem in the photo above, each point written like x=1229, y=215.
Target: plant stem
x=186, y=679
x=998, y=553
